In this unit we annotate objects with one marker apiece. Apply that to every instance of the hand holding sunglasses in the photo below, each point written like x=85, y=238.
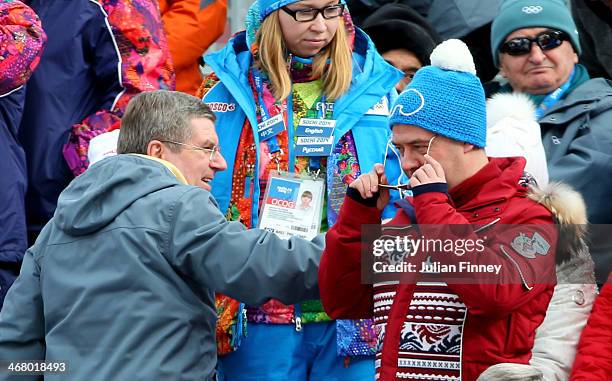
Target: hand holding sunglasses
x=547, y=40
x=372, y=184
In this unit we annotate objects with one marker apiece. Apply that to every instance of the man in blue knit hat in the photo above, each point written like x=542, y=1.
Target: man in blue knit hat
x=536, y=46
x=445, y=329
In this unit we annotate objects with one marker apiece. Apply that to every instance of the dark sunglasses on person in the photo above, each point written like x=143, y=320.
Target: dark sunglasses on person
x=547, y=40
x=309, y=14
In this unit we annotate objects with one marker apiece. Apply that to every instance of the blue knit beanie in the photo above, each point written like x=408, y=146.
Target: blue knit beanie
x=519, y=14
x=268, y=6
x=445, y=98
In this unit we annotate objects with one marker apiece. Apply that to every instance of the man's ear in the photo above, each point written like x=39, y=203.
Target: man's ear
x=467, y=147
x=155, y=148
x=502, y=72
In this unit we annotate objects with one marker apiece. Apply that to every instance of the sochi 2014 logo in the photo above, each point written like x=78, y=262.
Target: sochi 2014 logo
x=532, y=9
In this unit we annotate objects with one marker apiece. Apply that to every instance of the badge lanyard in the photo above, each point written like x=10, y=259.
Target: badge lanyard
x=275, y=124
x=314, y=162
x=315, y=137
x=551, y=99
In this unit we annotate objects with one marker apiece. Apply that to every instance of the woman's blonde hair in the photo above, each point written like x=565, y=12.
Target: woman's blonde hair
x=272, y=60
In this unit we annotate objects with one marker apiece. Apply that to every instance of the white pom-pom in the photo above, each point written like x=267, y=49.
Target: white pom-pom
x=453, y=55
x=510, y=105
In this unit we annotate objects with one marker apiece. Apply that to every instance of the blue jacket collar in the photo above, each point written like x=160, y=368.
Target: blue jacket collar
x=231, y=65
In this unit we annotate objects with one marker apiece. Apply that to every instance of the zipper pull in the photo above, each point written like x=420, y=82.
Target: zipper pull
x=298, y=324
x=297, y=313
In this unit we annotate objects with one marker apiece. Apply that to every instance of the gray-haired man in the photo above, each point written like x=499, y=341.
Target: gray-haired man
x=120, y=283
x=536, y=46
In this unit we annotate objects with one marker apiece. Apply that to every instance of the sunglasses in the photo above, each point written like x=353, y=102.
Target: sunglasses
x=418, y=148
x=546, y=40
x=309, y=14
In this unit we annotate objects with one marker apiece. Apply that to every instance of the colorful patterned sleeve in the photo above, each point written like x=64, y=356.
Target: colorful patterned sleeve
x=21, y=44
x=208, y=83
x=146, y=65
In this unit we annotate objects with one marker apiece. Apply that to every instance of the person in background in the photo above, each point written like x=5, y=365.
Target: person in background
x=536, y=45
x=191, y=27
x=593, y=21
x=468, y=20
x=298, y=62
x=21, y=45
x=98, y=56
x=120, y=284
x=512, y=130
x=412, y=42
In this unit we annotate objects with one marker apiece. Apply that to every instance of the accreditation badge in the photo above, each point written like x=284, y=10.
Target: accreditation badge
x=292, y=205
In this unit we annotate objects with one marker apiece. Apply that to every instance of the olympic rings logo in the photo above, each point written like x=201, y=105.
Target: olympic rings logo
x=532, y=9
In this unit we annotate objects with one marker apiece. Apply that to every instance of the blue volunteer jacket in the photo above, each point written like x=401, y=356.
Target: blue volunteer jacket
x=363, y=110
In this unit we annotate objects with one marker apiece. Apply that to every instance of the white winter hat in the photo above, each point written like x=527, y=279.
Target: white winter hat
x=103, y=146
x=512, y=130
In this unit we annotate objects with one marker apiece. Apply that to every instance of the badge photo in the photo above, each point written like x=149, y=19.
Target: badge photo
x=292, y=205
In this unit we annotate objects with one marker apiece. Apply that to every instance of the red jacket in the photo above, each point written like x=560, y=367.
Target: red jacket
x=594, y=358
x=500, y=322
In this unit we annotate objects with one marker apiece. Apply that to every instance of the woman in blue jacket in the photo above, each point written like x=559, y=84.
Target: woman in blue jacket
x=299, y=63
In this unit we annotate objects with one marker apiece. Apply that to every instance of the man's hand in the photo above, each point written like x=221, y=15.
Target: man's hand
x=429, y=173
x=367, y=185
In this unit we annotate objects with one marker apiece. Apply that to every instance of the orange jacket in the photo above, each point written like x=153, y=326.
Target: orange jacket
x=191, y=27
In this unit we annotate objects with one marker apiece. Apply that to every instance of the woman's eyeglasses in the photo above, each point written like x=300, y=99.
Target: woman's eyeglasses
x=546, y=40
x=309, y=14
